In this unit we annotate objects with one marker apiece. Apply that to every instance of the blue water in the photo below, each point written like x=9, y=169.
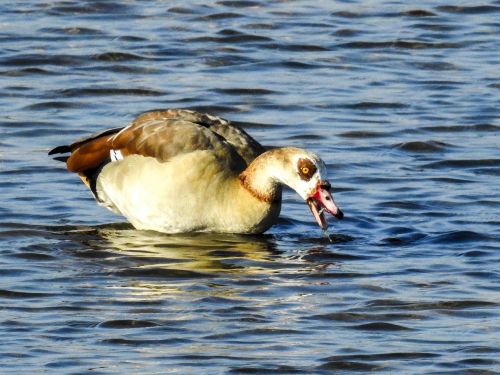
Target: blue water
x=402, y=102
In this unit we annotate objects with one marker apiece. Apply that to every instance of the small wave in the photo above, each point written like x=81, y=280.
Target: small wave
x=439, y=305
x=53, y=105
x=239, y=3
x=422, y=146
x=128, y=323
x=418, y=13
x=125, y=69
x=460, y=236
x=25, y=72
x=37, y=60
x=244, y=91
x=483, y=275
x=351, y=366
x=297, y=65
x=227, y=60
x=347, y=14
x=436, y=65
x=300, y=48
x=335, y=275
x=382, y=356
x=359, y=316
x=376, y=105
x=362, y=134
x=118, y=56
x=305, y=137
x=132, y=38
x=347, y=32
x=230, y=32
x=254, y=332
x=94, y=7
x=155, y=272
x=480, y=349
x=261, y=26
x=451, y=180
x=182, y=10
x=322, y=256
x=463, y=128
x=402, y=44
x=441, y=83
x=264, y=369
x=151, y=342
x=104, y=91
x=381, y=326
x=475, y=254
x=4, y=293
x=436, y=27
x=402, y=204
x=463, y=163
x=242, y=38
x=72, y=30
x=219, y=109
x=219, y=16
x=34, y=256
x=477, y=9
x=331, y=238
x=408, y=13
x=404, y=239
x=479, y=362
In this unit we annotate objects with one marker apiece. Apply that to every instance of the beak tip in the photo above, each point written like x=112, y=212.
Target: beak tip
x=340, y=214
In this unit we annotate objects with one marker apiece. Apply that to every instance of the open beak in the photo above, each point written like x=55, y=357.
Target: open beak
x=320, y=201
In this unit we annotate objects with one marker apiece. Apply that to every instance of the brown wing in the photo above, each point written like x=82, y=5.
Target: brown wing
x=86, y=153
x=247, y=147
x=167, y=138
x=164, y=134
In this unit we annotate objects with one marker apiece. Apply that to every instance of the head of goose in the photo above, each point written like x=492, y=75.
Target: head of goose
x=302, y=171
x=308, y=177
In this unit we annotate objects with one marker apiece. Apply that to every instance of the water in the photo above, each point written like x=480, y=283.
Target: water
x=400, y=100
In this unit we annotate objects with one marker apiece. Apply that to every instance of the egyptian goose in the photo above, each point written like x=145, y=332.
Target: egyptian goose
x=178, y=170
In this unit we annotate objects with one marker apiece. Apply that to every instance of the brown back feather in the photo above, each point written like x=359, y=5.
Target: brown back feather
x=163, y=134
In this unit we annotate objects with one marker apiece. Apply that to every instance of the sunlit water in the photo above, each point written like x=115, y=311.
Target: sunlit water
x=402, y=101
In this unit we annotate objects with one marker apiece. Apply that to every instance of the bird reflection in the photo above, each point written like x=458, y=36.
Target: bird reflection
x=196, y=252
x=150, y=264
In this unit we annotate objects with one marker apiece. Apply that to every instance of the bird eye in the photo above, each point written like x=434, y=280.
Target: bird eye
x=306, y=169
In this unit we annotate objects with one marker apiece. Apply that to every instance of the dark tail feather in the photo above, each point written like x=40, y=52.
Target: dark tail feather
x=64, y=159
x=60, y=150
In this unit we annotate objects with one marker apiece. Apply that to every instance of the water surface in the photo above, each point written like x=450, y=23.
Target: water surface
x=400, y=100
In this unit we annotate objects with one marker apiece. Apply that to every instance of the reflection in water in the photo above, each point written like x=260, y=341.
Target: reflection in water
x=146, y=256
x=200, y=252
x=158, y=264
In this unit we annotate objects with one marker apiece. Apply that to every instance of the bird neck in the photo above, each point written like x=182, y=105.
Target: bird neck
x=261, y=178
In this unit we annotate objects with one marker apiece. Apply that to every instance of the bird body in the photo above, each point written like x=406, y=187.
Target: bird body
x=182, y=171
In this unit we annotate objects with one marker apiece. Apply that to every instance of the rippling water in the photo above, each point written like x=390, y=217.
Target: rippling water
x=402, y=101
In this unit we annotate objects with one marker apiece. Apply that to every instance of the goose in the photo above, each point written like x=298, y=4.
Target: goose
x=178, y=170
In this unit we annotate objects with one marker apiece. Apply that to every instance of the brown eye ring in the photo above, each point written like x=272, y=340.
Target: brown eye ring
x=306, y=169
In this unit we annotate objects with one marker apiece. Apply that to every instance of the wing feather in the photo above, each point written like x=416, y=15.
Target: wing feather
x=246, y=146
x=163, y=134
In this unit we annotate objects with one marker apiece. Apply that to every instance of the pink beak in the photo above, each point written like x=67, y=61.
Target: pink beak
x=320, y=201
